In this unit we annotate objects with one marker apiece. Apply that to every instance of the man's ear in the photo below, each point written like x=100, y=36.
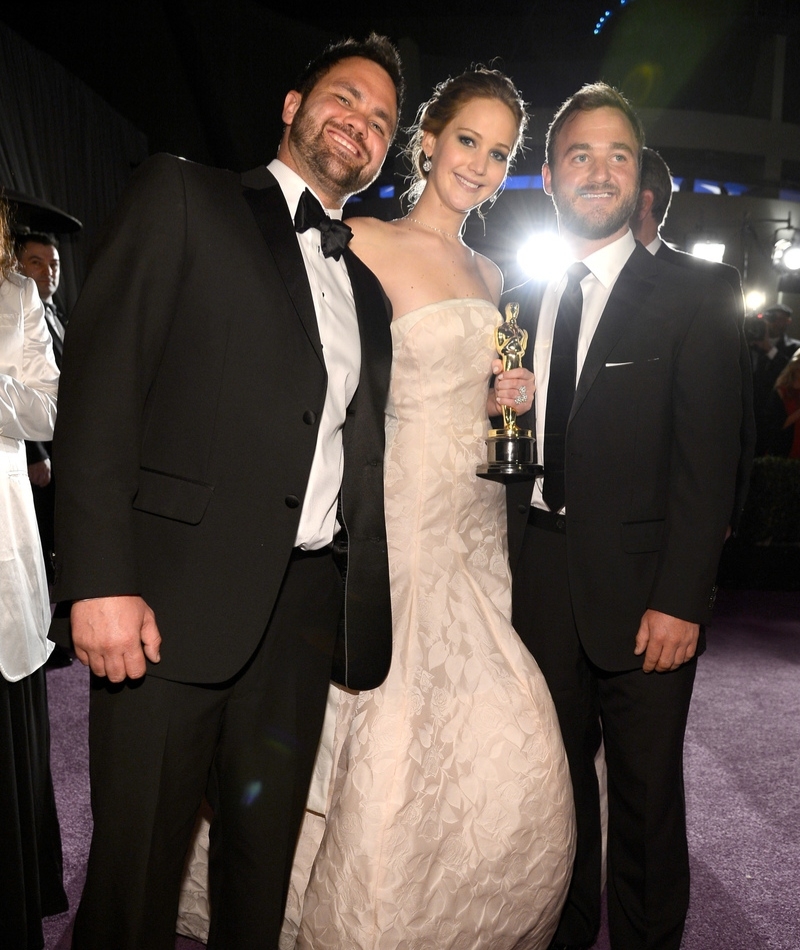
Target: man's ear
x=290, y=106
x=546, y=180
x=644, y=206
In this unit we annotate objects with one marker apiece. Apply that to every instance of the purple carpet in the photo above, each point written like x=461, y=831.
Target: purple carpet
x=742, y=781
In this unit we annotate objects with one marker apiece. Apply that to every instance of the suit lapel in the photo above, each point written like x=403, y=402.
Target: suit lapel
x=266, y=201
x=373, y=311
x=628, y=299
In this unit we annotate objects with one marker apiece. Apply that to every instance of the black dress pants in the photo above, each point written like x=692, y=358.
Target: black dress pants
x=156, y=747
x=641, y=718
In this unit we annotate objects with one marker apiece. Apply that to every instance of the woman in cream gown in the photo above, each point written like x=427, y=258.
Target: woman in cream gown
x=450, y=824
x=448, y=821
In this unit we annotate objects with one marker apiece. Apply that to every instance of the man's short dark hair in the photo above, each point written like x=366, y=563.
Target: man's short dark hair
x=656, y=178
x=778, y=308
x=596, y=95
x=23, y=239
x=379, y=49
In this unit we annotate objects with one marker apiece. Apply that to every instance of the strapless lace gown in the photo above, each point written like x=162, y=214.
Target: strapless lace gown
x=451, y=821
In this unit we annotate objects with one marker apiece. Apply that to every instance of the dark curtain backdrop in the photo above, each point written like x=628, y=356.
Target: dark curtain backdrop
x=60, y=142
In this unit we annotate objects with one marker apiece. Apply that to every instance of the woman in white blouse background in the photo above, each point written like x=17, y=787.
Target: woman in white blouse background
x=30, y=856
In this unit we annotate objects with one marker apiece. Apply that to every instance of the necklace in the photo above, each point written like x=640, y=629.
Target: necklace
x=430, y=227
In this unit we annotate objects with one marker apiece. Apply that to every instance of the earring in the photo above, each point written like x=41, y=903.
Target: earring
x=426, y=165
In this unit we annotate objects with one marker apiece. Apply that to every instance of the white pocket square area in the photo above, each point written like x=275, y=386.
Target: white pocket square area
x=653, y=359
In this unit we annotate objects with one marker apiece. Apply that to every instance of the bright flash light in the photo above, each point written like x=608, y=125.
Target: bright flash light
x=755, y=300
x=542, y=255
x=791, y=258
x=709, y=251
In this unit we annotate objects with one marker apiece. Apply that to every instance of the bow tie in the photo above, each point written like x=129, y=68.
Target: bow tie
x=334, y=235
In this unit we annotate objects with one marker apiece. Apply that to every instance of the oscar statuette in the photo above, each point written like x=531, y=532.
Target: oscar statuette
x=510, y=455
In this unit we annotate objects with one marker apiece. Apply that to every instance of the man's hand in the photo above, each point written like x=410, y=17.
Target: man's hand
x=666, y=641
x=113, y=635
x=40, y=473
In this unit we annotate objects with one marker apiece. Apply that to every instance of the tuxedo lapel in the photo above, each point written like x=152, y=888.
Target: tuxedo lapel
x=374, y=318
x=628, y=298
x=262, y=193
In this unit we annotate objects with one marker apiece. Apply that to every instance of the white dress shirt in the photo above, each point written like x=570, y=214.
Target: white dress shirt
x=341, y=348
x=605, y=266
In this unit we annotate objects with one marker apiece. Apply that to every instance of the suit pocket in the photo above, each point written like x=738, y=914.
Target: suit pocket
x=172, y=497
x=641, y=536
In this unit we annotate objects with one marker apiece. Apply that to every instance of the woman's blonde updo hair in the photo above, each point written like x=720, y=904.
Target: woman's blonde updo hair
x=7, y=259
x=448, y=98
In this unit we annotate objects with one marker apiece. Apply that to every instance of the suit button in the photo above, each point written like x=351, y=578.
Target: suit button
x=522, y=509
x=309, y=417
x=561, y=524
x=292, y=501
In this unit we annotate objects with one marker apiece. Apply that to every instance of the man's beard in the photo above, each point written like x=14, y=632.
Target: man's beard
x=329, y=168
x=593, y=225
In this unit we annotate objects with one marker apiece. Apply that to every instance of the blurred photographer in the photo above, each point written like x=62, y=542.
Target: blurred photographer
x=779, y=319
x=768, y=363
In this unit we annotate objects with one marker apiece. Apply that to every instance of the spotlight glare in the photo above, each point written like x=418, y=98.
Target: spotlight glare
x=791, y=258
x=755, y=299
x=542, y=255
x=709, y=251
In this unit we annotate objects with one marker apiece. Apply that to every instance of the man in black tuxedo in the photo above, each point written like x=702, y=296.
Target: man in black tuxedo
x=224, y=310
x=638, y=410
x=655, y=197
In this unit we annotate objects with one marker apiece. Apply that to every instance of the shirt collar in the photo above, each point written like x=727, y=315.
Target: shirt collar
x=655, y=245
x=292, y=186
x=607, y=263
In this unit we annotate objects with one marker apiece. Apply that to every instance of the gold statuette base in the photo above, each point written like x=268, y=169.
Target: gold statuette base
x=510, y=456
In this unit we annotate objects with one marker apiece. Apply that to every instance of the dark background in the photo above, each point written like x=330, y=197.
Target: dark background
x=206, y=79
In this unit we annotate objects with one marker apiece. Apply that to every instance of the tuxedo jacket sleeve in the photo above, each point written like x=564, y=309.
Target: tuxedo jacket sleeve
x=747, y=431
x=651, y=455
x=195, y=334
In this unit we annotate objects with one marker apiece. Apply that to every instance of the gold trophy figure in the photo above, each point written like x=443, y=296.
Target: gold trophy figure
x=510, y=451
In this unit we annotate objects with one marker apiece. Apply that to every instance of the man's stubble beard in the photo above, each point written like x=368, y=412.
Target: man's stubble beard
x=341, y=178
x=584, y=225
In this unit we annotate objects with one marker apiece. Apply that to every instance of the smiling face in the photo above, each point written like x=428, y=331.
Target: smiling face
x=469, y=159
x=593, y=177
x=337, y=135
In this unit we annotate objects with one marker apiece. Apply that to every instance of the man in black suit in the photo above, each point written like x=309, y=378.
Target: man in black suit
x=638, y=410
x=779, y=319
x=655, y=197
x=222, y=311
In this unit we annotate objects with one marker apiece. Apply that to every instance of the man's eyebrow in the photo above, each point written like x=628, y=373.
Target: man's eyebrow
x=586, y=147
x=358, y=95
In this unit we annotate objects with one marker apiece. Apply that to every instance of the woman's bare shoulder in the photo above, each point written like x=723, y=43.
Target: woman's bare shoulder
x=491, y=274
x=370, y=229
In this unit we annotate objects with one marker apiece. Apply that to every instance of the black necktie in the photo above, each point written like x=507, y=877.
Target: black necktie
x=561, y=385
x=334, y=235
